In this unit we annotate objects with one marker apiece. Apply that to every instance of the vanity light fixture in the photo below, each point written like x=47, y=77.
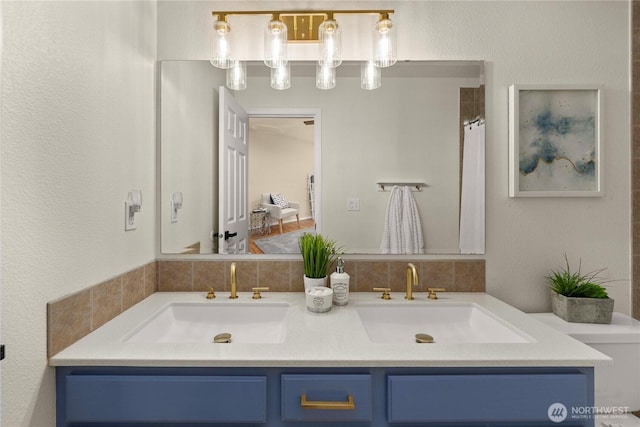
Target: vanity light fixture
x=325, y=76
x=370, y=76
x=330, y=36
x=275, y=43
x=281, y=77
x=384, y=42
x=237, y=76
x=303, y=26
x=221, y=55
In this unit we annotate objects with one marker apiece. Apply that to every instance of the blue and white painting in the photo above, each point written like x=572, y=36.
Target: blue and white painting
x=558, y=140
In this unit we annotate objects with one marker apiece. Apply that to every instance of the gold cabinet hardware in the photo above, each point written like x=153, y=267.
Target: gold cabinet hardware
x=432, y=292
x=329, y=405
x=211, y=294
x=385, y=292
x=256, y=292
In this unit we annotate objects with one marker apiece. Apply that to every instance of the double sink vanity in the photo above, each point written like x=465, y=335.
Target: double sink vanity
x=162, y=362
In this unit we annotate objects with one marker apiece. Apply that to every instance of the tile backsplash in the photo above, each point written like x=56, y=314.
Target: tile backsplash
x=286, y=276
x=72, y=317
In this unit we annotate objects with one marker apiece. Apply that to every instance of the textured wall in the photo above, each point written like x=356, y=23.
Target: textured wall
x=78, y=132
x=635, y=154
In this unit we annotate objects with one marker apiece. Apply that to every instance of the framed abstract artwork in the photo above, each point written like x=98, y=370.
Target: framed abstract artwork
x=554, y=141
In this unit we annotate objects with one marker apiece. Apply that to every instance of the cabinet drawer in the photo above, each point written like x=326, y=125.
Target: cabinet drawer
x=328, y=397
x=497, y=397
x=142, y=398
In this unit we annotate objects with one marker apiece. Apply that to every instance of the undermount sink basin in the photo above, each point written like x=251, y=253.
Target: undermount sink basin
x=447, y=323
x=201, y=322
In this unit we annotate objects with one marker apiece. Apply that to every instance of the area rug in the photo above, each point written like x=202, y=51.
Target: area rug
x=286, y=243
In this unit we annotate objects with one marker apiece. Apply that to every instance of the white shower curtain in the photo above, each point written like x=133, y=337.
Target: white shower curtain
x=472, y=199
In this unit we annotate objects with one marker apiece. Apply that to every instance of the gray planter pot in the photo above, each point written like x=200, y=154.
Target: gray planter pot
x=582, y=310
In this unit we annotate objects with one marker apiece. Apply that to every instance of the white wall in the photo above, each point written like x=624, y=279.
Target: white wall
x=550, y=42
x=280, y=159
x=189, y=120
x=78, y=132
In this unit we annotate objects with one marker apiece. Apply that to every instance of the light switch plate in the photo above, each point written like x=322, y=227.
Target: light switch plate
x=353, y=204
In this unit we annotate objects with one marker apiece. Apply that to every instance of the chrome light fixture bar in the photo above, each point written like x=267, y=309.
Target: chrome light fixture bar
x=304, y=26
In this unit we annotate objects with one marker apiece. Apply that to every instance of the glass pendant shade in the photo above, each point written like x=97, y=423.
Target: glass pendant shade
x=237, y=76
x=325, y=77
x=370, y=76
x=330, y=37
x=221, y=54
x=384, y=44
x=281, y=77
x=275, y=44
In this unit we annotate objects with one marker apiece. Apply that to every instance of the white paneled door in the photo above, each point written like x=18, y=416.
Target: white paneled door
x=233, y=200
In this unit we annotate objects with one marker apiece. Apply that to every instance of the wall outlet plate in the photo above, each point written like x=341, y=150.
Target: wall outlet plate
x=174, y=212
x=353, y=204
x=129, y=219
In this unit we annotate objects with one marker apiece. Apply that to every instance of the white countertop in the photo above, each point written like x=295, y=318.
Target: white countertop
x=336, y=338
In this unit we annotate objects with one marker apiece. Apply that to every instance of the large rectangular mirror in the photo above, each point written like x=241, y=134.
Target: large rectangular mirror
x=323, y=150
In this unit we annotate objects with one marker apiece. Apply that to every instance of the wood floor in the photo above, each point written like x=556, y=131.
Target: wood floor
x=286, y=227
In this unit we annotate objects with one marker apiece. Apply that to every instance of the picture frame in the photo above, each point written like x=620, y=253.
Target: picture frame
x=554, y=141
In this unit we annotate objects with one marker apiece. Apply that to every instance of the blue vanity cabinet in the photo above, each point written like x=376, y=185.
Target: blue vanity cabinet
x=165, y=399
x=313, y=397
x=507, y=398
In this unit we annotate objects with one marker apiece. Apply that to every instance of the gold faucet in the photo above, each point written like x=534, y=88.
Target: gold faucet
x=234, y=285
x=412, y=280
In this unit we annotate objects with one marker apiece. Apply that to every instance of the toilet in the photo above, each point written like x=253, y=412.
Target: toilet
x=617, y=385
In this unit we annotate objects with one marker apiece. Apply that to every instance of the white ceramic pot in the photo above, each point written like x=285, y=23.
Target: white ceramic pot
x=310, y=282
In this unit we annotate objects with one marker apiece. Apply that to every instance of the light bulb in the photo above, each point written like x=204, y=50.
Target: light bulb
x=330, y=36
x=221, y=54
x=370, y=76
x=325, y=77
x=237, y=76
x=275, y=44
x=281, y=77
x=384, y=43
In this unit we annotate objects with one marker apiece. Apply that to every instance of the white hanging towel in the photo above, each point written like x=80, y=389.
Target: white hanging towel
x=392, y=233
x=402, y=232
x=412, y=240
x=472, y=198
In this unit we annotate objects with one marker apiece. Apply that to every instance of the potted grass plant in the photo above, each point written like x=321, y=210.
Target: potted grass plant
x=318, y=255
x=578, y=297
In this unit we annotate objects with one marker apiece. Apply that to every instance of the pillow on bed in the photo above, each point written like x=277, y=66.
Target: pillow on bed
x=279, y=200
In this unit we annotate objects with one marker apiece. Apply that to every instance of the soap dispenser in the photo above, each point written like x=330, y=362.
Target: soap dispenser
x=340, y=284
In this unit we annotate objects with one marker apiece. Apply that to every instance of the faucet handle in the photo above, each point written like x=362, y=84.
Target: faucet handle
x=432, y=292
x=256, y=291
x=385, y=292
x=211, y=294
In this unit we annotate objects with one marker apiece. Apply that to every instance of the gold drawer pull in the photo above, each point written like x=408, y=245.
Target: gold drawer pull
x=319, y=404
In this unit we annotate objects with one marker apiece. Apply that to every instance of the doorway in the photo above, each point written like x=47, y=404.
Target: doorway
x=284, y=159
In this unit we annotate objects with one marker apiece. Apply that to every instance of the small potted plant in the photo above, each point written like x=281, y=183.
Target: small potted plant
x=579, y=298
x=318, y=254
